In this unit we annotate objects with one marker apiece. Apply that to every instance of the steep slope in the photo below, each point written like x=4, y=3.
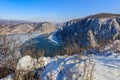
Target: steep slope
x=16, y=27
x=45, y=27
x=92, y=29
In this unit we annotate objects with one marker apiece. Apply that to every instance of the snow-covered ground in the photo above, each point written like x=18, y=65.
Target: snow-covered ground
x=53, y=38
x=60, y=67
x=107, y=68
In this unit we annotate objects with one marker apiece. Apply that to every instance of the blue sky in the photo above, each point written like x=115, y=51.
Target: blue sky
x=55, y=10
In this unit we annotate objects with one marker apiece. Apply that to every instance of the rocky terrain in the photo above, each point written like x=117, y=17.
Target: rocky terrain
x=45, y=27
x=91, y=30
x=70, y=67
x=16, y=27
x=87, y=64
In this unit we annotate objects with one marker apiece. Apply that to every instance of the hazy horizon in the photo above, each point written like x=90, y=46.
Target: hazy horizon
x=55, y=10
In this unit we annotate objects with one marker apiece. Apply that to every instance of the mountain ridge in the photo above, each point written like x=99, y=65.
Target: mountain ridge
x=26, y=27
x=92, y=29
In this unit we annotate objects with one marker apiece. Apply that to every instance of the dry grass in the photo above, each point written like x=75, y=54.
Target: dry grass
x=88, y=67
x=70, y=49
x=4, y=71
x=9, y=58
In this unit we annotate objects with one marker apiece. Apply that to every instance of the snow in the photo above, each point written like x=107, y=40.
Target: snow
x=29, y=63
x=103, y=20
x=53, y=38
x=26, y=63
x=106, y=67
x=21, y=38
x=116, y=41
x=9, y=77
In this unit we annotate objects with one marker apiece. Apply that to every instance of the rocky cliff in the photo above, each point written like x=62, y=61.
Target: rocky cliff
x=45, y=27
x=92, y=29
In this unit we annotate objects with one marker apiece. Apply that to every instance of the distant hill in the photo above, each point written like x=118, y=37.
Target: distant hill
x=18, y=26
x=2, y=21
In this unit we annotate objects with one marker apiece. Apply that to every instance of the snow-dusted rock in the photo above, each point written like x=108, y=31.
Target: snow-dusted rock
x=26, y=63
x=42, y=61
x=45, y=27
x=29, y=63
x=117, y=42
x=92, y=39
x=100, y=27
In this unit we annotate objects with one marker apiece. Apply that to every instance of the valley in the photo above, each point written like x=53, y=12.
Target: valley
x=79, y=49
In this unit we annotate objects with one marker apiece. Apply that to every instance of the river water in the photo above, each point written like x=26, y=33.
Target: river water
x=36, y=42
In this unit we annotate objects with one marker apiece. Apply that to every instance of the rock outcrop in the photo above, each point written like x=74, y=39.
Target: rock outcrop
x=92, y=29
x=45, y=27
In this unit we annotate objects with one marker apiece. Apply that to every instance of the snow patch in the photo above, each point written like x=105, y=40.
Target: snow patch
x=103, y=20
x=53, y=38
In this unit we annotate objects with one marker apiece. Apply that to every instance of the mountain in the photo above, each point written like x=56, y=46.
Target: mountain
x=45, y=27
x=91, y=30
x=16, y=27
x=2, y=21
